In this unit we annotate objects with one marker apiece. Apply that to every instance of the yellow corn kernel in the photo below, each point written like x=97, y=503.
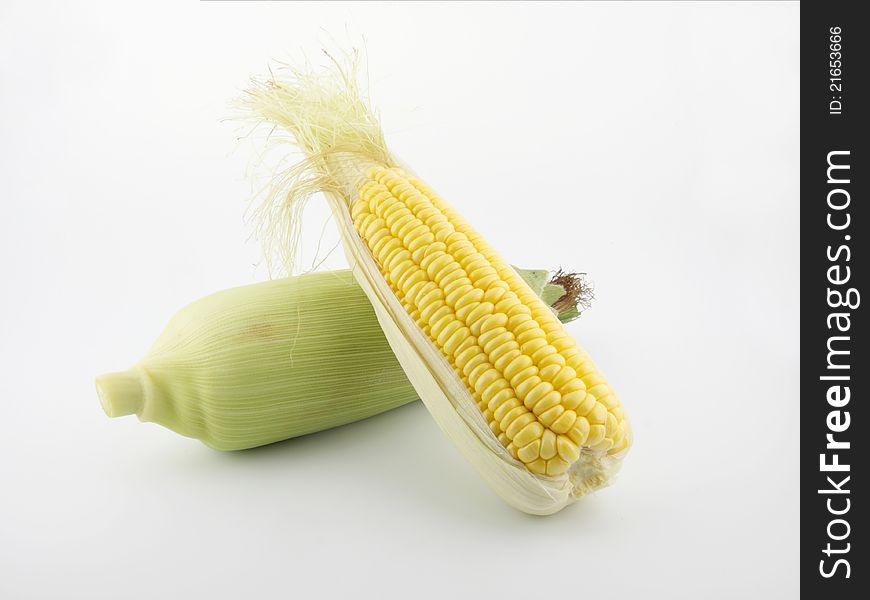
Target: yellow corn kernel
x=548, y=445
x=567, y=449
x=557, y=465
x=530, y=452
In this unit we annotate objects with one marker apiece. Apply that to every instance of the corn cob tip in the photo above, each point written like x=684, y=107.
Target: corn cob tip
x=120, y=393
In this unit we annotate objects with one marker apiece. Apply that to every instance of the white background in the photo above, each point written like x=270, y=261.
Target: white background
x=654, y=146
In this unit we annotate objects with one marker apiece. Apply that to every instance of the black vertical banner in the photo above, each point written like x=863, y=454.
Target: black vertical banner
x=835, y=222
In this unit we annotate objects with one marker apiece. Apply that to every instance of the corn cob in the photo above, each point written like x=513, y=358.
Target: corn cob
x=502, y=377
x=265, y=362
x=541, y=395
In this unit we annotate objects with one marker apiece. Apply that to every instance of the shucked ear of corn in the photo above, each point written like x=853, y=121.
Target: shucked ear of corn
x=266, y=362
x=498, y=372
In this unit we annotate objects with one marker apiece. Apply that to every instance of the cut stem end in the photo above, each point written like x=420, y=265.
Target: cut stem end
x=121, y=393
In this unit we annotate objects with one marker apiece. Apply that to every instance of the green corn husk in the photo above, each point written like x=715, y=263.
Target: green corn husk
x=261, y=363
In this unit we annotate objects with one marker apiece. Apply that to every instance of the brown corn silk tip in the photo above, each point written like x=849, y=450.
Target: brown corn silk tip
x=579, y=293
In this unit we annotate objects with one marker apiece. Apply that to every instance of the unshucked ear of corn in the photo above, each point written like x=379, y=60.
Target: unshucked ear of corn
x=498, y=372
x=262, y=363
